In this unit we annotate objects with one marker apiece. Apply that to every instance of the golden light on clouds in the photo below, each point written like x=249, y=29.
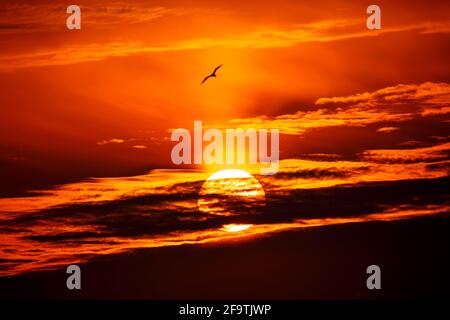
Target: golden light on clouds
x=405, y=102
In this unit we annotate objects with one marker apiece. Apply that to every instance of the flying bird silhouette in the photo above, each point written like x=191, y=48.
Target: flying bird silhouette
x=212, y=74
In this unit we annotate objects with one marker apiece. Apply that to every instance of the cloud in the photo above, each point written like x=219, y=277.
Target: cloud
x=323, y=173
x=427, y=93
x=299, y=174
x=387, y=129
x=28, y=18
x=435, y=111
x=114, y=140
x=97, y=190
x=392, y=104
x=256, y=38
x=427, y=154
x=301, y=121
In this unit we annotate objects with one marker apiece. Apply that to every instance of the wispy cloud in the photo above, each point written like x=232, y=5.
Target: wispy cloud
x=139, y=147
x=262, y=37
x=113, y=141
x=392, y=104
x=35, y=18
x=433, y=153
x=387, y=129
x=428, y=93
x=97, y=190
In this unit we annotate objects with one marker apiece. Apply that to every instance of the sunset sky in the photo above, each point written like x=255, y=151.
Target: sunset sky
x=86, y=119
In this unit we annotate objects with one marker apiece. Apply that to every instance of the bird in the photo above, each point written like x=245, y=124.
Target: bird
x=212, y=74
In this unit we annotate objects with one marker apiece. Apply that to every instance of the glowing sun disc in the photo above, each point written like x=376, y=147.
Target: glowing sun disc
x=231, y=192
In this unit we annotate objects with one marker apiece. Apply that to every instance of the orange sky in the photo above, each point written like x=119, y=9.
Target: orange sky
x=133, y=71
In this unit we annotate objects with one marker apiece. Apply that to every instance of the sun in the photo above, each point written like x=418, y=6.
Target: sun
x=231, y=192
x=228, y=174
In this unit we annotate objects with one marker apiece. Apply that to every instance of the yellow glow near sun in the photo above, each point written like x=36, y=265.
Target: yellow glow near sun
x=236, y=227
x=229, y=174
